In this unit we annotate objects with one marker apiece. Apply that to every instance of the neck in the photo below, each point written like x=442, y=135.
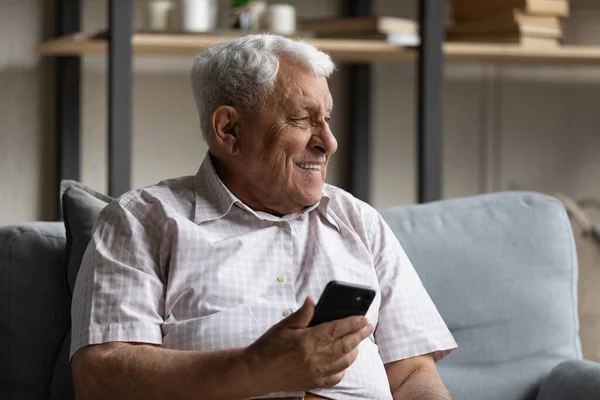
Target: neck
x=236, y=187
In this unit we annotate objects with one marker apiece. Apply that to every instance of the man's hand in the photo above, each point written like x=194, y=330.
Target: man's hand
x=292, y=357
x=288, y=357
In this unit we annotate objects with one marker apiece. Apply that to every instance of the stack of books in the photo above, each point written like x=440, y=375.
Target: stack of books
x=399, y=31
x=523, y=22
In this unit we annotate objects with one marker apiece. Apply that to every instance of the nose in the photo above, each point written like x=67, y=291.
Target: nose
x=323, y=138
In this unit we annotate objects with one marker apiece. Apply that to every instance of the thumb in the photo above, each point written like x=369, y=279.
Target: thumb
x=301, y=318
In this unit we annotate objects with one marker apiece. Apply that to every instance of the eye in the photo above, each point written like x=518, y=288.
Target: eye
x=301, y=119
x=327, y=118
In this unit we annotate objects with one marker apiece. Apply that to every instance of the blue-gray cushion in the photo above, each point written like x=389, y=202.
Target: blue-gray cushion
x=34, y=309
x=502, y=270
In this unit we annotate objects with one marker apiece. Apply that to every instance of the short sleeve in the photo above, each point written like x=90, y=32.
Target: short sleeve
x=119, y=293
x=409, y=324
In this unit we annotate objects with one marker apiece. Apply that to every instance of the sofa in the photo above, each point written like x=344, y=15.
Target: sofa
x=501, y=269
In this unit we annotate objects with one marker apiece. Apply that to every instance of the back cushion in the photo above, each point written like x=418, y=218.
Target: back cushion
x=81, y=206
x=502, y=271
x=34, y=308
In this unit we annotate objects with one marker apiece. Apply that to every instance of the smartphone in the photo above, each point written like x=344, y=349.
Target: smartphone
x=341, y=300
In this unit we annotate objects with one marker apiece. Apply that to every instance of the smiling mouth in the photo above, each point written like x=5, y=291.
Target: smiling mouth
x=309, y=167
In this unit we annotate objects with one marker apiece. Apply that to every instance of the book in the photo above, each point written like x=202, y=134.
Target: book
x=470, y=10
x=396, y=38
x=521, y=24
x=515, y=39
x=534, y=19
x=359, y=24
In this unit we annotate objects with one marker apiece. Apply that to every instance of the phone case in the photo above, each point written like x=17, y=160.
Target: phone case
x=340, y=300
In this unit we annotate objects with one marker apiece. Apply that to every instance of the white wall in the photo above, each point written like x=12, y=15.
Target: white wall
x=506, y=127
x=528, y=127
x=26, y=127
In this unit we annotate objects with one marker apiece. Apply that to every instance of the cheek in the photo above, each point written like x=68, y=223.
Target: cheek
x=283, y=146
x=273, y=141
x=271, y=161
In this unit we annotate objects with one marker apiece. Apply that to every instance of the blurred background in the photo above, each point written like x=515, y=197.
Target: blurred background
x=506, y=125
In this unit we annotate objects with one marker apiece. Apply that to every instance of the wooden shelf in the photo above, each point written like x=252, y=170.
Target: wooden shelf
x=505, y=53
x=339, y=49
x=190, y=45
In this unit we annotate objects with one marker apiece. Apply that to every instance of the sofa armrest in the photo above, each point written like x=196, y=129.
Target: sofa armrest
x=573, y=380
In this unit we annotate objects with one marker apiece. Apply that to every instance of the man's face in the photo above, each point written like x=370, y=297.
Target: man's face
x=285, y=149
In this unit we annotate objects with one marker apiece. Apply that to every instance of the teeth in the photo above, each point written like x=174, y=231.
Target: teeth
x=315, y=167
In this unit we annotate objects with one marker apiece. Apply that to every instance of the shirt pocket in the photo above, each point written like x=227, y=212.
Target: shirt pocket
x=229, y=328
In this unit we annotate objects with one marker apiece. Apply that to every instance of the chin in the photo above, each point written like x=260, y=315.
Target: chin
x=311, y=198
x=306, y=193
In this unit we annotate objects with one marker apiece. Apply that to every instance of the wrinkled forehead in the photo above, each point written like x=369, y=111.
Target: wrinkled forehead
x=298, y=86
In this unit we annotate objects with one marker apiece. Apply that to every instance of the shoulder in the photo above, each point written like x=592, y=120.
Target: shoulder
x=349, y=209
x=168, y=198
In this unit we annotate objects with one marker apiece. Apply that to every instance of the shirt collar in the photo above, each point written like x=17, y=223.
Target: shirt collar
x=324, y=209
x=214, y=200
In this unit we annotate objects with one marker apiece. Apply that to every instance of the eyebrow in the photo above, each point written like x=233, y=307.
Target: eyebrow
x=308, y=106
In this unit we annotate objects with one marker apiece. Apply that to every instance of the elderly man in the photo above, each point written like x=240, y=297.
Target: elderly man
x=202, y=287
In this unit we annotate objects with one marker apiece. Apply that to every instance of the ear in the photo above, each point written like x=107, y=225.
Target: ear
x=226, y=126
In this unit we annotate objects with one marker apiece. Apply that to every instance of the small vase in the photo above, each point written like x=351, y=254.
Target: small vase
x=159, y=15
x=198, y=15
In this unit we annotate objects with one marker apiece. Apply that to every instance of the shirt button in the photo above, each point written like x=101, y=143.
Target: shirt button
x=301, y=216
x=287, y=312
x=281, y=279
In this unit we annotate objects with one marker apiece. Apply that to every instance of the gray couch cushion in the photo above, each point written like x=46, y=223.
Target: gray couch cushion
x=81, y=207
x=34, y=309
x=572, y=380
x=502, y=271
x=61, y=386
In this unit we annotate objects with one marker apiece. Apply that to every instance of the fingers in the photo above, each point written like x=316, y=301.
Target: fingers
x=333, y=373
x=302, y=317
x=342, y=363
x=350, y=342
x=342, y=327
x=340, y=353
x=332, y=380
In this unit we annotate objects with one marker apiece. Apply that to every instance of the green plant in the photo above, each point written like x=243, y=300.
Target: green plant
x=240, y=3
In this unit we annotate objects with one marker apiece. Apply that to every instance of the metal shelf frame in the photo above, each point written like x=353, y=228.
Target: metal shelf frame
x=119, y=89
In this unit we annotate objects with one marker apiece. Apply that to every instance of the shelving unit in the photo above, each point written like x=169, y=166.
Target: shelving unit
x=121, y=43
x=70, y=45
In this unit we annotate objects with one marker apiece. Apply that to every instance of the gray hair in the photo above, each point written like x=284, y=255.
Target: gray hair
x=241, y=72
